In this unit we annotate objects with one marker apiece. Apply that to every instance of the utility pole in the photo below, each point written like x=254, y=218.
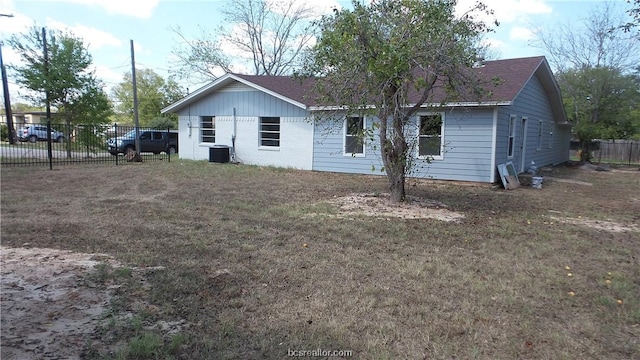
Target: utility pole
x=7, y=100
x=47, y=96
x=135, y=104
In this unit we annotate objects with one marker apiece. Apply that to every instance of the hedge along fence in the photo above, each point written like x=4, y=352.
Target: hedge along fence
x=617, y=151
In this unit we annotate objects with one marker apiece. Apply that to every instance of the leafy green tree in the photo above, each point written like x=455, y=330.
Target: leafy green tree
x=602, y=102
x=67, y=75
x=163, y=123
x=634, y=13
x=154, y=93
x=22, y=108
x=93, y=110
x=595, y=63
x=370, y=60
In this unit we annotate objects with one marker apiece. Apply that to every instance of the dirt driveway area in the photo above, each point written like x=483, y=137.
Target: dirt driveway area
x=49, y=309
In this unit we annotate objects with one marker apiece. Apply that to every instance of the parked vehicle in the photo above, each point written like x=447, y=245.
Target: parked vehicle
x=33, y=133
x=154, y=141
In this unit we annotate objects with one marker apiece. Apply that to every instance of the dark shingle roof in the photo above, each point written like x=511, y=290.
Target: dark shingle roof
x=512, y=74
x=296, y=89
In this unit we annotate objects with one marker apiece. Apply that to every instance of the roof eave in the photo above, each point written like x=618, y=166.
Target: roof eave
x=423, y=106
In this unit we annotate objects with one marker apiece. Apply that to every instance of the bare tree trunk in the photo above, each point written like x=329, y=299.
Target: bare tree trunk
x=585, y=153
x=396, y=185
x=393, y=152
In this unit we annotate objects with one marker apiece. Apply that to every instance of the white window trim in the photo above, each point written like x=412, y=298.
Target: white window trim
x=201, y=129
x=512, y=135
x=265, y=147
x=539, y=136
x=432, y=157
x=344, y=138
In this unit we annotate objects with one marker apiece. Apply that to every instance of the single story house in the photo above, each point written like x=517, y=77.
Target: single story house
x=269, y=120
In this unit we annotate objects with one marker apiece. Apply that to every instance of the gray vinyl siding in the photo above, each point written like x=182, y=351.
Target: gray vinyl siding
x=246, y=103
x=468, y=138
x=533, y=104
x=467, y=156
x=328, y=150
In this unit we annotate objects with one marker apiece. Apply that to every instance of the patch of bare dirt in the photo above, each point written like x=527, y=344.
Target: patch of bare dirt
x=48, y=311
x=378, y=205
x=598, y=224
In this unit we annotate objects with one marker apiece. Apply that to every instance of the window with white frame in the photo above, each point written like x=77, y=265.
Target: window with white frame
x=430, y=136
x=208, y=129
x=269, y=131
x=512, y=136
x=540, y=127
x=354, y=135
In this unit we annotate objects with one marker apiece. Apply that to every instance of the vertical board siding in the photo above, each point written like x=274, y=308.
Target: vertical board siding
x=467, y=156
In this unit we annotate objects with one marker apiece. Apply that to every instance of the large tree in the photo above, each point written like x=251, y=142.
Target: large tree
x=594, y=61
x=265, y=36
x=634, y=13
x=154, y=93
x=602, y=102
x=92, y=111
x=66, y=76
x=386, y=59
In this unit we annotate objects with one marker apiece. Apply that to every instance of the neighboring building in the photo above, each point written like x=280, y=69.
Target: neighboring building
x=30, y=117
x=270, y=121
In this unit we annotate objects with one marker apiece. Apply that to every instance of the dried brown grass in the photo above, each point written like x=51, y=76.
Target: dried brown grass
x=232, y=242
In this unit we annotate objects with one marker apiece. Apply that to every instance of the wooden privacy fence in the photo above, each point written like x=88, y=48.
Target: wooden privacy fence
x=617, y=151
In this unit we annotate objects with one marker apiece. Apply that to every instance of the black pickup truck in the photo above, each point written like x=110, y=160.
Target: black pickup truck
x=154, y=141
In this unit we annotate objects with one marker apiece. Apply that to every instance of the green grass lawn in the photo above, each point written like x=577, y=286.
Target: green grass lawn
x=255, y=262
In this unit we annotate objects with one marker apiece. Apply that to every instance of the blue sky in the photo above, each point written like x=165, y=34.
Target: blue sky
x=107, y=26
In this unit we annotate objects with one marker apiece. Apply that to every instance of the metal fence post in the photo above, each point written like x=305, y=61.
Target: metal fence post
x=168, y=145
x=115, y=136
x=49, y=150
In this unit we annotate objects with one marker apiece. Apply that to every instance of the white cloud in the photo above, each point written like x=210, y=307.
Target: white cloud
x=317, y=7
x=109, y=75
x=15, y=24
x=94, y=38
x=508, y=11
x=10, y=56
x=135, y=8
x=521, y=33
x=495, y=44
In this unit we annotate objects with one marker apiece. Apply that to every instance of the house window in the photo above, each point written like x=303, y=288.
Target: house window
x=208, y=129
x=353, y=136
x=512, y=135
x=540, y=125
x=270, y=131
x=430, y=136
